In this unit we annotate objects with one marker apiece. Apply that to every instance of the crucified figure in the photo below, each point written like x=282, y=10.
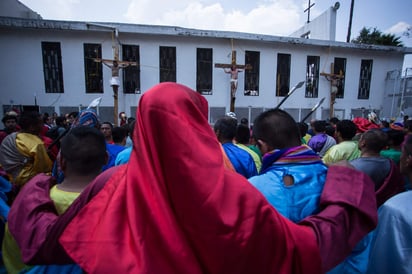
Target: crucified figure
x=234, y=74
x=115, y=67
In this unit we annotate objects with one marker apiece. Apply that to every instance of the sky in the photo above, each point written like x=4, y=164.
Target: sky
x=273, y=17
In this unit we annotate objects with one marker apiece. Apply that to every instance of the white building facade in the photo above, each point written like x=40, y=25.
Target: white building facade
x=51, y=65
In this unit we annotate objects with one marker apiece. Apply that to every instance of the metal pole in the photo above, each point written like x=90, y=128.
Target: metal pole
x=299, y=85
x=403, y=93
x=394, y=90
x=352, y=4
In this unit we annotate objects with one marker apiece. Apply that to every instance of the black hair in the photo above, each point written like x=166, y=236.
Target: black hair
x=277, y=128
x=375, y=139
x=84, y=149
x=303, y=128
x=244, y=121
x=347, y=129
x=334, y=120
x=226, y=127
x=242, y=134
x=330, y=130
x=28, y=119
x=60, y=121
x=396, y=137
x=408, y=125
x=107, y=123
x=9, y=117
x=319, y=125
x=119, y=133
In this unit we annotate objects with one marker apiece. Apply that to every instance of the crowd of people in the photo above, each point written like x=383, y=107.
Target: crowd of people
x=169, y=193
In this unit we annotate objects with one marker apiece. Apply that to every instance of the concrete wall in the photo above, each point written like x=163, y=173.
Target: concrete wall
x=22, y=78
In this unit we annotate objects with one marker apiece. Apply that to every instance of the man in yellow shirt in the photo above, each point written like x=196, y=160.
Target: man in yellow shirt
x=83, y=154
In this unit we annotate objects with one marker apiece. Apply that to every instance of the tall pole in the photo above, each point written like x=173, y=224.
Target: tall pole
x=403, y=92
x=396, y=73
x=352, y=4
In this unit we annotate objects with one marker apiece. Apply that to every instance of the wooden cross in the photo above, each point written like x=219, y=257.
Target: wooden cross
x=115, y=65
x=308, y=10
x=334, y=80
x=233, y=85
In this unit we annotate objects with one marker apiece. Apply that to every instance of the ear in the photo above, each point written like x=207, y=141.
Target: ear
x=263, y=146
x=361, y=142
x=62, y=163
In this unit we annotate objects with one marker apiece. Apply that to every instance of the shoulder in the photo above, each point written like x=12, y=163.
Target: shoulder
x=399, y=203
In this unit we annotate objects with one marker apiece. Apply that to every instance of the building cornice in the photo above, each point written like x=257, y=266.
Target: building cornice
x=19, y=23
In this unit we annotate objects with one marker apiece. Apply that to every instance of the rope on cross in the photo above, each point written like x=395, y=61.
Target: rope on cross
x=234, y=69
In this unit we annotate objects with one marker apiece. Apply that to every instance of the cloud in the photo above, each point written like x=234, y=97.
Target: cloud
x=269, y=17
x=398, y=28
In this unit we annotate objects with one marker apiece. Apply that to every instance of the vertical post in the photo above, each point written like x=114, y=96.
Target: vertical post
x=396, y=73
x=232, y=86
x=115, y=104
x=332, y=96
x=115, y=87
x=403, y=92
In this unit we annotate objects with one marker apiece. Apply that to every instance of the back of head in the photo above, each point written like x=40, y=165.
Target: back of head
x=333, y=120
x=330, y=130
x=242, y=134
x=276, y=128
x=73, y=114
x=347, y=129
x=225, y=127
x=119, y=134
x=60, y=121
x=30, y=121
x=303, y=128
x=84, y=149
x=319, y=126
x=375, y=140
x=396, y=137
x=408, y=125
x=244, y=121
x=130, y=120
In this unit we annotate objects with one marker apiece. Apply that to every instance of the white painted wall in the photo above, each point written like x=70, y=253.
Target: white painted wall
x=22, y=77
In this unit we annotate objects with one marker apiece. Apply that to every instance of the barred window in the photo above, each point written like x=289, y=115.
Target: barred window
x=204, y=69
x=339, y=68
x=312, y=76
x=52, y=67
x=93, y=69
x=252, y=59
x=131, y=74
x=283, y=74
x=167, y=64
x=365, y=78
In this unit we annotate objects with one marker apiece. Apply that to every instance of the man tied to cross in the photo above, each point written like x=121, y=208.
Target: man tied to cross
x=115, y=66
x=335, y=81
x=233, y=69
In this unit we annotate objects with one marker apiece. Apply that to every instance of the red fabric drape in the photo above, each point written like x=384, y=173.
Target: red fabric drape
x=175, y=208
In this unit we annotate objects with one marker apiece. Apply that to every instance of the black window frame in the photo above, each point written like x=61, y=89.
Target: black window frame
x=52, y=67
x=167, y=64
x=131, y=74
x=283, y=74
x=312, y=76
x=93, y=70
x=252, y=60
x=204, y=70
